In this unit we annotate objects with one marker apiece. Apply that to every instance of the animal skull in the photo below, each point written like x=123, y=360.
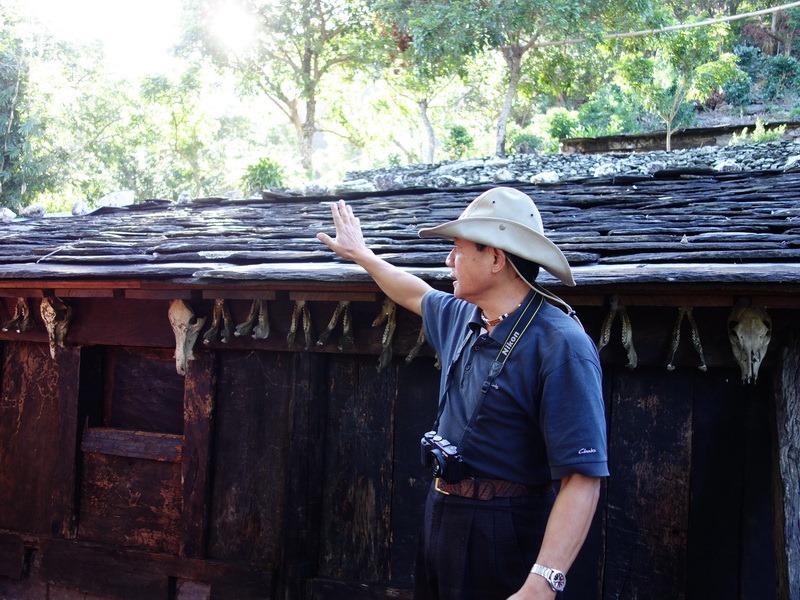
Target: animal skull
x=750, y=330
x=186, y=327
x=57, y=316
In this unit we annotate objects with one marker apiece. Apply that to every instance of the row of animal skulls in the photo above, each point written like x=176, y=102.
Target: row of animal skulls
x=749, y=332
x=749, y=329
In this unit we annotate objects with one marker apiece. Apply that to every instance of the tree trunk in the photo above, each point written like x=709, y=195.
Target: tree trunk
x=513, y=58
x=305, y=135
x=431, y=135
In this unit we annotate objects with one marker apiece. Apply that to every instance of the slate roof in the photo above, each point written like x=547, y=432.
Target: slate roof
x=675, y=226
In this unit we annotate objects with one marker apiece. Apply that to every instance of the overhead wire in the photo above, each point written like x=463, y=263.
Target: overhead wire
x=644, y=32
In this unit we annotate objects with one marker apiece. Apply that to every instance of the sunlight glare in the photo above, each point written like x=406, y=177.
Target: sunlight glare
x=233, y=27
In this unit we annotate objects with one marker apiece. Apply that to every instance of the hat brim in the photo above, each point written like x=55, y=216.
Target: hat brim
x=510, y=236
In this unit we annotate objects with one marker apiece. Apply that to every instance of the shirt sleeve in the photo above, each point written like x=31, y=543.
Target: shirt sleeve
x=572, y=414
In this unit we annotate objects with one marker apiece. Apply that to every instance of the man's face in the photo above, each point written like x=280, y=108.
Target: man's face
x=470, y=269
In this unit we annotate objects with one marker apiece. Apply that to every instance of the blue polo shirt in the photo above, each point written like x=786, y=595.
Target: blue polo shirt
x=543, y=416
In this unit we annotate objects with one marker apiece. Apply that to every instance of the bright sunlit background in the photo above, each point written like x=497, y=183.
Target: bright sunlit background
x=137, y=36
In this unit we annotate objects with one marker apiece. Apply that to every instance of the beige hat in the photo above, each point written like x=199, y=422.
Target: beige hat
x=506, y=218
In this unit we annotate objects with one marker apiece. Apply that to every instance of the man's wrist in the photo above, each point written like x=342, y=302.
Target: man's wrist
x=555, y=578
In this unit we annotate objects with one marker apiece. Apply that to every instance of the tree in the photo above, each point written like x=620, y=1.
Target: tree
x=15, y=130
x=513, y=29
x=681, y=66
x=297, y=46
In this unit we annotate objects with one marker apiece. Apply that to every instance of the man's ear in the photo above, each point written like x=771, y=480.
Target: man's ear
x=499, y=259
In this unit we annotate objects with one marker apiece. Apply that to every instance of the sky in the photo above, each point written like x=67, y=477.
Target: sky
x=137, y=35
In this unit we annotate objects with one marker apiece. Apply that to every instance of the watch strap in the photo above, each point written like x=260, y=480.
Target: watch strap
x=555, y=578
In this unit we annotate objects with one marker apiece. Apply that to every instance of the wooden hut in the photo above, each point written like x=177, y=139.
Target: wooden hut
x=277, y=455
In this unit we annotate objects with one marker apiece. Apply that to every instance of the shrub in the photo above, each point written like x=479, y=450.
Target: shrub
x=749, y=60
x=737, y=90
x=781, y=76
x=609, y=111
x=526, y=142
x=458, y=141
x=760, y=135
x=560, y=122
x=266, y=173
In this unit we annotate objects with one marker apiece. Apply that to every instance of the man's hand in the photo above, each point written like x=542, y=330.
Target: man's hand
x=349, y=241
x=535, y=588
x=404, y=288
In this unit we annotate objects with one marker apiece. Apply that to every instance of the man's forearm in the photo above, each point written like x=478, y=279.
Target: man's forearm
x=566, y=532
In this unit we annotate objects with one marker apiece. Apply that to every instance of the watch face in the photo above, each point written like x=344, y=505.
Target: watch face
x=559, y=581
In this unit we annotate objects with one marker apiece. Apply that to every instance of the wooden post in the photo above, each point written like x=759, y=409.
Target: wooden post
x=787, y=485
x=198, y=406
x=63, y=514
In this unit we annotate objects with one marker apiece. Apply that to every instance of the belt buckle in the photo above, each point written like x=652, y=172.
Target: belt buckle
x=436, y=481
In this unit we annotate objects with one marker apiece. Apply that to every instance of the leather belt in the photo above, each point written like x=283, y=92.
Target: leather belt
x=485, y=489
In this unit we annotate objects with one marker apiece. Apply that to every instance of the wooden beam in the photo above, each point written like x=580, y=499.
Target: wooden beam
x=161, y=447
x=787, y=485
x=12, y=556
x=198, y=408
x=68, y=370
x=106, y=571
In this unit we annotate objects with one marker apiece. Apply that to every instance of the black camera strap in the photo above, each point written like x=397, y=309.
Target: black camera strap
x=521, y=325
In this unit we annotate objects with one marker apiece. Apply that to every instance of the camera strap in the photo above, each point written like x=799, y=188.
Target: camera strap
x=521, y=325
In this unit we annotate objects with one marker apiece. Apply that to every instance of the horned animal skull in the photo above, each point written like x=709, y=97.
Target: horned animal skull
x=186, y=327
x=750, y=330
x=57, y=316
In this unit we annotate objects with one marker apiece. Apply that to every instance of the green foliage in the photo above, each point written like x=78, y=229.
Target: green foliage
x=609, y=111
x=560, y=122
x=781, y=76
x=526, y=142
x=737, y=90
x=458, y=141
x=749, y=60
x=711, y=77
x=264, y=174
x=760, y=134
x=17, y=171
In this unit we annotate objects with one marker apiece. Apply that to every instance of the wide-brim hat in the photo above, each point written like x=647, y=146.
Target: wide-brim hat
x=508, y=219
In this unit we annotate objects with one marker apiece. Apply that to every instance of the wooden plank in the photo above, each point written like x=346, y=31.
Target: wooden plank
x=415, y=412
x=196, y=462
x=238, y=294
x=68, y=292
x=331, y=589
x=143, y=391
x=717, y=482
x=300, y=549
x=12, y=556
x=787, y=472
x=29, y=423
x=158, y=294
x=68, y=373
x=20, y=292
x=120, y=322
x=758, y=569
x=161, y=447
x=131, y=574
x=131, y=502
x=250, y=440
x=648, y=493
x=334, y=296
x=358, y=486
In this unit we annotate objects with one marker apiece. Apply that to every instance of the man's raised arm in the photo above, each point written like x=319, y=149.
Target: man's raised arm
x=404, y=288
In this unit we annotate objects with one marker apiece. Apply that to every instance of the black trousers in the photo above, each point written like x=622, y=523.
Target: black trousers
x=478, y=549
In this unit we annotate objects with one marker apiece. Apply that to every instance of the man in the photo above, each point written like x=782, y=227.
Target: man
x=520, y=399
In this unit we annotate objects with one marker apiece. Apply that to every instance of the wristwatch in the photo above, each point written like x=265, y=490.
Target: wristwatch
x=556, y=579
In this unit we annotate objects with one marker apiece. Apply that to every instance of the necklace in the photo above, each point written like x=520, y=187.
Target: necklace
x=493, y=322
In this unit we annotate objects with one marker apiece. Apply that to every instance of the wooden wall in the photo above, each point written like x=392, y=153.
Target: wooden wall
x=276, y=472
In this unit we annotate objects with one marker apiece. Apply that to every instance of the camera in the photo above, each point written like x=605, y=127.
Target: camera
x=441, y=457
